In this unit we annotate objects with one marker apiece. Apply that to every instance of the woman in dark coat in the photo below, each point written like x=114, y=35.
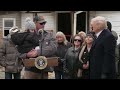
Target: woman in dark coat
x=84, y=56
x=71, y=58
x=62, y=47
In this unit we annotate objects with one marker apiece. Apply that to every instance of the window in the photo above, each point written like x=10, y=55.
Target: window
x=7, y=24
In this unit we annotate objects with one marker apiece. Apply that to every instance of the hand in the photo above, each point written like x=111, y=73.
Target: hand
x=61, y=60
x=33, y=53
x=65, y=70
x=37, y=48
x=86, y=66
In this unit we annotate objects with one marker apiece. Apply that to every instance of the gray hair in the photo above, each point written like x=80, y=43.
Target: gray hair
x=83, y=34
x=59, y=33
x=101, y=21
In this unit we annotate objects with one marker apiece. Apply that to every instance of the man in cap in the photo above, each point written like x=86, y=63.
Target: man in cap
x=47, y=47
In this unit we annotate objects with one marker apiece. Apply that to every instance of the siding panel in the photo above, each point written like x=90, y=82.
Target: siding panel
x=50, y=18
x=113, y=17
x=9, y=14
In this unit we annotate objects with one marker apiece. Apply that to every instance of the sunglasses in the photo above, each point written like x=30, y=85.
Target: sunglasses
x=42, y=23
x=77, y=40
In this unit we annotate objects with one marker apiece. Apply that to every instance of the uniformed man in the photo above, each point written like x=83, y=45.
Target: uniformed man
x=47, y=47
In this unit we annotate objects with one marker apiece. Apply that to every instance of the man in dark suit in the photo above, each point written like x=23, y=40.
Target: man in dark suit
x=102, y=54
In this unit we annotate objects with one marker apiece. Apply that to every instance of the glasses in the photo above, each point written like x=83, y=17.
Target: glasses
x=42, y=23
x=77, y=40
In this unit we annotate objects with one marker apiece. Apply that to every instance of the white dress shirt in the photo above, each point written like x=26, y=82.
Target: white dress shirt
x=97, y=34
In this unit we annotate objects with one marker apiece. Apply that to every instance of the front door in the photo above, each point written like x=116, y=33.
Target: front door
x=64, y=24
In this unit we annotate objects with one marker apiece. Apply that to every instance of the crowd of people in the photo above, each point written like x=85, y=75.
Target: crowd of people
x=89, y=56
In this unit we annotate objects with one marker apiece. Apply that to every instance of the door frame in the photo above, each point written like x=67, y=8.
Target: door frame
x=75, y=21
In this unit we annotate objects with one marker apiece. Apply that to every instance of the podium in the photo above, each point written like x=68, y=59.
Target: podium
x=36, y=62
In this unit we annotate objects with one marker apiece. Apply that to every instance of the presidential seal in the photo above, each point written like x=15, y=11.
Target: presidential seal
x=41, y=62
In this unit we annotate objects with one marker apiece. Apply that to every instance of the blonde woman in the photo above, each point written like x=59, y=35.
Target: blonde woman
x=62, y=46
x=82, y=34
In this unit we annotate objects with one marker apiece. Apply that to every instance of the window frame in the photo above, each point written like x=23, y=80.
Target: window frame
x=14, y=23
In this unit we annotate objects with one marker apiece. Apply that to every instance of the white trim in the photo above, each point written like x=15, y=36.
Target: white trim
x=14, y=23
x=75, y=19
x=78, y=12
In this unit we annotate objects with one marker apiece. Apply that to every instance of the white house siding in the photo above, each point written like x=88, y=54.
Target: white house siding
x=49, y=17
x=91, y=15
x=112, y=16
x=9, y=14
x=23, y=17
x=51, y=20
